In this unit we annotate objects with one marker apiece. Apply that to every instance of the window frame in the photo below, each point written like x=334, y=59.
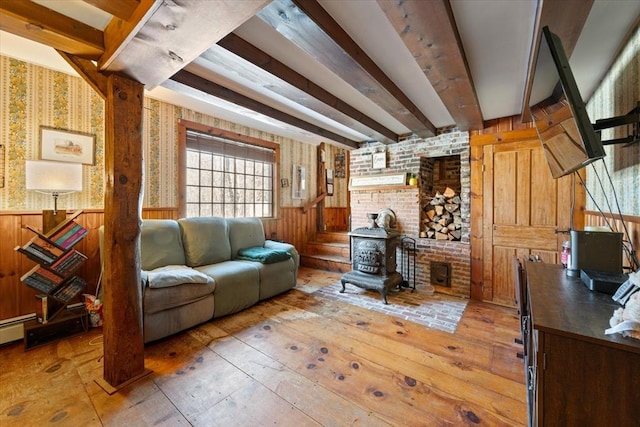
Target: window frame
x=186, y=125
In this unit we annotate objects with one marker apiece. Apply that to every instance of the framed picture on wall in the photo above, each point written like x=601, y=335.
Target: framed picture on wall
x=379, y=160
x=67, y=146
x=299, y=182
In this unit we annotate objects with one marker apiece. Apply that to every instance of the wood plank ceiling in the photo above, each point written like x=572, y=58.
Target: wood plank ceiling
x=335, y=87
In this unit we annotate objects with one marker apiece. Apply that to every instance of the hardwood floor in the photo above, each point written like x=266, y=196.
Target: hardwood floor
x=294, y=360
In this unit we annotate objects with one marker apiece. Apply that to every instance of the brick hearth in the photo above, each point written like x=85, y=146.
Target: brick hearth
x=404, y=157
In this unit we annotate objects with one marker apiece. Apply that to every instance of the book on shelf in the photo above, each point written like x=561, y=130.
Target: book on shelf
x=70, y=238
x=65, y=234
x=40, y=250
x=69, y=289
x=57, y=261
x=52, y=284
x=55, y=231
x=68, y=263
x=41, y=279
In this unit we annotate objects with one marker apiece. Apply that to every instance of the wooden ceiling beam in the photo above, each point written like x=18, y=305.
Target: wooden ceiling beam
x=429, y=31
x=312, y=29
x=206, y=86
x=163, y=36
x=289, y=77
x=122, y=9
x=321, y=17
x=566, y=19
x=43, y=25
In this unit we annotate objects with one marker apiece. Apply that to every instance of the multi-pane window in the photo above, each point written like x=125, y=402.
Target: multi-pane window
x=228, y=178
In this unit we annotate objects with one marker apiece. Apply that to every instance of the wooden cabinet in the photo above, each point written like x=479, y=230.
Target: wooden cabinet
x=577, y=375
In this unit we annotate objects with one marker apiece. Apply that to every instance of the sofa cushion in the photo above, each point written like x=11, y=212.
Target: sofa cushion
x=263, y=255
x=245, y=233
x=237, y=285
x=205, y=240
x=158, y=299
x=275, y=278
x=175, y=275
x=160, y=244
x=175, y=319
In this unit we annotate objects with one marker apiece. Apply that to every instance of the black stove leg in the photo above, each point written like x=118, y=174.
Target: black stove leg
x=384, y=296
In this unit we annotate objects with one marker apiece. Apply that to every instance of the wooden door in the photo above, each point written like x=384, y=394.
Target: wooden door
x=519, y=210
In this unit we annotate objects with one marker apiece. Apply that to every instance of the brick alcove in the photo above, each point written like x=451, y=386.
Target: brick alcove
x=405, y=201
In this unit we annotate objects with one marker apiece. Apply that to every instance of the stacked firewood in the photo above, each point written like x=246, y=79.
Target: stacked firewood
x=443, y=219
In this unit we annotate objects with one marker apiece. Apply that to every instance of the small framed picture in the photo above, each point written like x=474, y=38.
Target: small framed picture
x=379, y=160
x=67, y=146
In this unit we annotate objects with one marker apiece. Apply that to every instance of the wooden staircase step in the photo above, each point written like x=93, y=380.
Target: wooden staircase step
x=333, y=236
x=326, y=248
x=325, y=262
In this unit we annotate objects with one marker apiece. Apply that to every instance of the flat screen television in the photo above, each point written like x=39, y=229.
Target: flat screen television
x=559, y=113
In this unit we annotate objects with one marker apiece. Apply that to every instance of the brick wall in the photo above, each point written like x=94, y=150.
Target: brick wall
x=405, y=202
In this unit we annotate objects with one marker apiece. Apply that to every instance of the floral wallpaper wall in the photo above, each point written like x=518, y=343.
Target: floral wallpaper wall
x=31, y=96
x=618, y=94
x=34, y=96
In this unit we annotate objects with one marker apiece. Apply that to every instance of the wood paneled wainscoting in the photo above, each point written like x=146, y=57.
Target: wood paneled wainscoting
x=336, y=219
x=19, y=299
x=632, y=222
x=293, y=226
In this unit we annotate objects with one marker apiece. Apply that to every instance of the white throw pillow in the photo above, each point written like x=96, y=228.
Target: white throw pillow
x=174, y=275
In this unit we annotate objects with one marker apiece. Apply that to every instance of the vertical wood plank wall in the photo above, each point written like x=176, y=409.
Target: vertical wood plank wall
x=16, y=299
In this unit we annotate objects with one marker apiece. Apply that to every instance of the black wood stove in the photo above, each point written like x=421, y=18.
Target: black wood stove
x=373, y=252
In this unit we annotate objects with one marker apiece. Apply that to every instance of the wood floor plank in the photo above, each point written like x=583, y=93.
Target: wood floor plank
x=27, y=381
x=392, y=394
x=193, y=377
x=478, y=352
x=301, y=392
x=253, y=405
x=476, y=386
x=388, y=352
x=295, y=359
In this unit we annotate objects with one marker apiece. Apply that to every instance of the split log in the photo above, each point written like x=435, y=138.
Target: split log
x=443, y=219
x=449, y=192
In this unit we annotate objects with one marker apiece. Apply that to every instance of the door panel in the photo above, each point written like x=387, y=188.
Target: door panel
x=523, y=208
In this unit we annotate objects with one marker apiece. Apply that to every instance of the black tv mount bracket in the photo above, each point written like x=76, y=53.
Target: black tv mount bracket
x=631, y=118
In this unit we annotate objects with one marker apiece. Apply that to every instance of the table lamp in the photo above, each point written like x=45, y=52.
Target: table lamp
x=53, y=178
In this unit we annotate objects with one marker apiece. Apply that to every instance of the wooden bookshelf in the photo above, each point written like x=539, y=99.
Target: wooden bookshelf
x=57, y=262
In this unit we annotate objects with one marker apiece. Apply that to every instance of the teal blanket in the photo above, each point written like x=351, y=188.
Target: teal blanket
x=263, y=255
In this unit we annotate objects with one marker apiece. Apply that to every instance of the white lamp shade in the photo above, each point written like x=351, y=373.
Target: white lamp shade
x=53, y=177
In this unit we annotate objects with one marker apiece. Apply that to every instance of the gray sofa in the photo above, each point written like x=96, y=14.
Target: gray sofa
x=196, y=269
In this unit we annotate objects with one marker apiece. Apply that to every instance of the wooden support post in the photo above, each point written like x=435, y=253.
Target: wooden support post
x=123, y=333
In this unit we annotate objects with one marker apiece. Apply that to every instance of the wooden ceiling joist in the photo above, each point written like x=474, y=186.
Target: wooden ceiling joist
x=208, y=87
x=283, y=77
x=429, y=31
x=43, y=25
x=312, y=29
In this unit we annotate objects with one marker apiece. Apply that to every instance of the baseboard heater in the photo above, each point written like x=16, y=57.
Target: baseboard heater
x=12, y=329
